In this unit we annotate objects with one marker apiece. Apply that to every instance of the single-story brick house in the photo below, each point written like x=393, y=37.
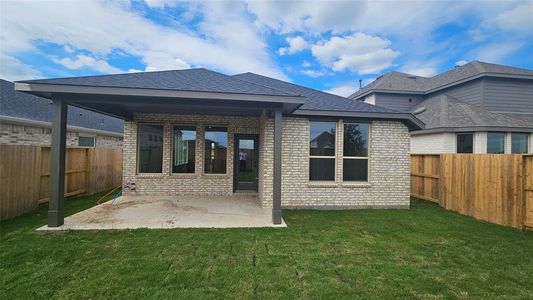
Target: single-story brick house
x=199, y=132
x=25, y=120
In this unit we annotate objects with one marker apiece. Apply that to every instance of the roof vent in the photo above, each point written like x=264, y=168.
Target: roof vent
x=419, y=110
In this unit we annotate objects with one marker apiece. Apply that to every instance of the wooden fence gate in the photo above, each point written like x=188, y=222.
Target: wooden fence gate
x=25, y=174
x=497, y=188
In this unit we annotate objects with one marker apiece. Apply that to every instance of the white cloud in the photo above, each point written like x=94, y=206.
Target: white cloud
x=296, y=44
x=12, y=69
x=343, y=90
x=495, y=52
x=360, y=53
x=519, y=18
x=306, y=64
x=461, y=62
x=226, y=41
x=314, y=73
x=84, y=61
x=162, y=3
x=424, y=69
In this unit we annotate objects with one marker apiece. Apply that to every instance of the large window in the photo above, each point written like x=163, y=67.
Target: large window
x=216, y=149
x=150, y=142
x=519, y=143
x=355, y=152
x=465, y=143
x=495, y=142
x=184, y=148
x=322, y=151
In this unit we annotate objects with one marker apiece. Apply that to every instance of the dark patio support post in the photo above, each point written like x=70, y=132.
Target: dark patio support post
x=57, y=164
x=276, y=207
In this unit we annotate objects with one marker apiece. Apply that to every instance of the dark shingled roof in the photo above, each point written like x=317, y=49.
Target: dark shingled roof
x=402, y=82
x=444, y=111
x=199, y=80
x=315, y=100
x=30, y=107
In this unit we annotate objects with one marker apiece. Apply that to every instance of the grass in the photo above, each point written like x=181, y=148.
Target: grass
x=425, y=252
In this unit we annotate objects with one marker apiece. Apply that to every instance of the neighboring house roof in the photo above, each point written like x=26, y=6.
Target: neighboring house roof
x=315, y=100
x=397, y=82
x=21, y=105
x=198, y=80
x=445, y=113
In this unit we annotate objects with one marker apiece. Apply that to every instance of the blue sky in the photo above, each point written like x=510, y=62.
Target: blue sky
x=327, y=45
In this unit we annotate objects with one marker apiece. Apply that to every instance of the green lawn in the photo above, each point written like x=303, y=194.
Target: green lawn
x=425, y=252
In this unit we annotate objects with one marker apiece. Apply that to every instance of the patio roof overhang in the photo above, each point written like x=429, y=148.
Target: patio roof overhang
x=123, y=102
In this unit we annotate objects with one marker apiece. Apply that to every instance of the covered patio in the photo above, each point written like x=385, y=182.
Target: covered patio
x=165, y=212
x=196, y=92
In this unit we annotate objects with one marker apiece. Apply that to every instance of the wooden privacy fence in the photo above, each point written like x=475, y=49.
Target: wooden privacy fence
x=497, y=188
x=25, y=175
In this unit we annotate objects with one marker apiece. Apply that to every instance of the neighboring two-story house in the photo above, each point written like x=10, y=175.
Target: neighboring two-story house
x=474, y=108
x=26, y=120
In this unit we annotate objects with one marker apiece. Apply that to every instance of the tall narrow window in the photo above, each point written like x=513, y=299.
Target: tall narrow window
x=519, y=143
x=184, y=146
x=216, y=150
x=355, y=152
x=495, y=142
x=150, y=141
x=322, y=151
x=465, y=143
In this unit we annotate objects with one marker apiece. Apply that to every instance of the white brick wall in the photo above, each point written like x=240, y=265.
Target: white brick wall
x=388, y=184
x=183, y=184
x=433, y=143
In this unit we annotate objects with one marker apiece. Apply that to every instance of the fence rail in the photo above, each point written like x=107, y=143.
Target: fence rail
x=25, y=174
x=491, y=187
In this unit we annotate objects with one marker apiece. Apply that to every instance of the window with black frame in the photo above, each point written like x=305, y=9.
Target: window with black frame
x=184, y=149
x=465, y=143
x=322, y=151
x=216, y=150
x=150, y=145
x=355, y=152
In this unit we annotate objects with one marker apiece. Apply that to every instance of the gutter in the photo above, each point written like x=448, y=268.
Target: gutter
x=27, y=122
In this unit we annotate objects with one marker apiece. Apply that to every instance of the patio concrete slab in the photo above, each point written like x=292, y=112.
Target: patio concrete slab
x=132, y=212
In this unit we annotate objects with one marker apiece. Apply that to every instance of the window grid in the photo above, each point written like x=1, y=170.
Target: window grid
x=333, y=157
x=343, y=157
x=176, y=160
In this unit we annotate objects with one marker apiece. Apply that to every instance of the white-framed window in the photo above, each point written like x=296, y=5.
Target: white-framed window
x=496, y=142
x=183, y=149
x=355, y=151
x=86, y=141
x=322, y=151
x=150, y=148
x=519, y=142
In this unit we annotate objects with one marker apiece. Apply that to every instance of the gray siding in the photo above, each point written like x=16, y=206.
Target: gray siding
x=470, y=92
x=399, y=102
x=508, y=95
